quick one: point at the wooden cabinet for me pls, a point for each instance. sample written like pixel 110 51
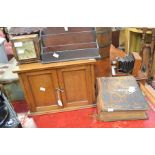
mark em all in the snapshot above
pixel 72 83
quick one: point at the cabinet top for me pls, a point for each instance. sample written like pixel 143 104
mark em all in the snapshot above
pixel 39 66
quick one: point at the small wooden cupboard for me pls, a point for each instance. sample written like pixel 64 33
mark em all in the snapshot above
pixel 58 86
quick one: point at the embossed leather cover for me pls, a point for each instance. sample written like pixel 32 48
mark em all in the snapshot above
pixel 120 98
pixel 122 94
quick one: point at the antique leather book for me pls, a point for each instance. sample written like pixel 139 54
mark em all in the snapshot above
pixel 120 98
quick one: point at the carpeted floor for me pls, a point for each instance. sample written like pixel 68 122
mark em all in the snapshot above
pixel 85 118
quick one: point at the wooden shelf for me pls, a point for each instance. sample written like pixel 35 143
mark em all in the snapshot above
pixel 133 38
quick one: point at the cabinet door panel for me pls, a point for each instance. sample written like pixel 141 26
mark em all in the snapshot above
pixel 75 89
pixel 76 83
pixel 42 88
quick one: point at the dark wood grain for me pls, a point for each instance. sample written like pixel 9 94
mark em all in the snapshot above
pixel 104 40
pixel 68 38
pixel 57 30
pixel 67 47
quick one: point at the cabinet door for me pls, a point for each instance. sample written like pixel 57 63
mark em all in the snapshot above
pixel 41 90
pixel 76 83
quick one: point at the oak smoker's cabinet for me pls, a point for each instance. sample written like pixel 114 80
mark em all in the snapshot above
pixel 58 86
